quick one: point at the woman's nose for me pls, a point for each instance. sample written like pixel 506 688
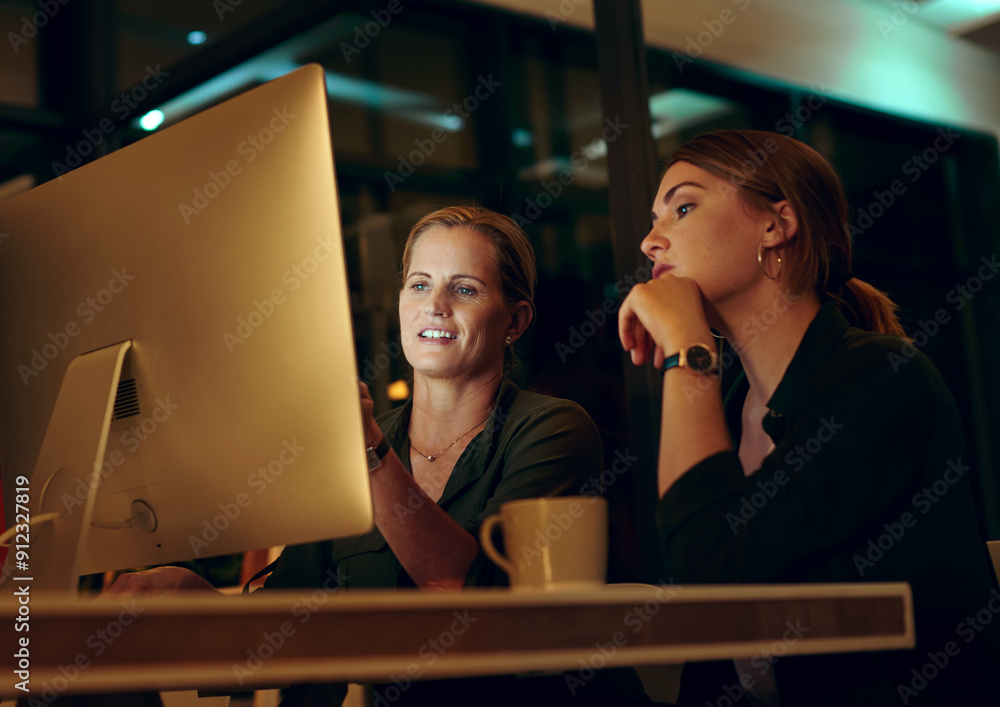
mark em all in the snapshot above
pixel 653 243
pixel 437 304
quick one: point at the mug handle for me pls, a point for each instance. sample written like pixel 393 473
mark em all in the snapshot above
pixel 486 540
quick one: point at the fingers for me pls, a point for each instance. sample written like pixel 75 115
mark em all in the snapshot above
pixel 658 357
pixel 629 327
pixel 643 344
pixel 373 433
pixel 633 334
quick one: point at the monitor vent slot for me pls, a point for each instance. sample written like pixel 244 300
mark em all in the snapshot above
pixel 127 400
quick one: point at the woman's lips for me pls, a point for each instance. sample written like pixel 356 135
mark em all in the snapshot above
pixel 661 268
pixel 436 335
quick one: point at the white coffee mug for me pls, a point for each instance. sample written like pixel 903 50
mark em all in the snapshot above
pixel 556 542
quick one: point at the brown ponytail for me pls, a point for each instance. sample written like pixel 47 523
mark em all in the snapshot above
pixel 867 307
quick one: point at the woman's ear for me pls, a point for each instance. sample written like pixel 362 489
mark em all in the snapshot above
pixel 783 225
pixel 520 318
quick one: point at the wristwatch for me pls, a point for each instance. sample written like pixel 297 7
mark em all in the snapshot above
pixel 377 454
pixel 697 357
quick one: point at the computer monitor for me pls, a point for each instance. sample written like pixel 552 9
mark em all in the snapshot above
pixel 176 327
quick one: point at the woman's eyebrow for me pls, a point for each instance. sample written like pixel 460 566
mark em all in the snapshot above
pixel 670 193
pixel 453 277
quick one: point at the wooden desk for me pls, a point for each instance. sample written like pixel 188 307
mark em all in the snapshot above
pixel 230 643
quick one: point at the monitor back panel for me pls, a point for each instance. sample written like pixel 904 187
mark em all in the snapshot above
pixel 215 246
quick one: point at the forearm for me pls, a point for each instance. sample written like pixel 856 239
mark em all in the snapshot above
pixel 693 424
pixel 433 549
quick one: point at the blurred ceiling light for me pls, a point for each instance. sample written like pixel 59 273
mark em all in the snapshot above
pixel 673 110
pixel 521 137
pixel 953 15
pixel 413 106
pixel 152 120
pixel 669 112
pixel 196 37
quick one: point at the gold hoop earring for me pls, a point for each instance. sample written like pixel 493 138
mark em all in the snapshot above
pixel 507 341
pixel 760 261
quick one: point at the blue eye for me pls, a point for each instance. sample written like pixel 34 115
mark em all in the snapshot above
pixel 684 209
pixel 465 290
pixel 418 286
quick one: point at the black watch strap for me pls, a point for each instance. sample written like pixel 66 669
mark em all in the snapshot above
pixel 671 362
pixel 699 358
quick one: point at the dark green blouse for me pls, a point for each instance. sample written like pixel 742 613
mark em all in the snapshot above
pixel 868 482
pixel 533 445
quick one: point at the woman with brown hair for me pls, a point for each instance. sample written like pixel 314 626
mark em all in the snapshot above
pixel 826 460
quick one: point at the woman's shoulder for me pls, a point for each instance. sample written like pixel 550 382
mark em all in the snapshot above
pixel 881 362
pixel 527 403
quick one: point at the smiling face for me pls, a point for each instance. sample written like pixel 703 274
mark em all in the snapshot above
pixel 451 308
pixel 704 230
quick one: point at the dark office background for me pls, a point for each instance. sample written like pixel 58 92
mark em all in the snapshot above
pixel 542 113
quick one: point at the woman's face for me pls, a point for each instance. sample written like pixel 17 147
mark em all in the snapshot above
pixel 451 308
pixel 703 229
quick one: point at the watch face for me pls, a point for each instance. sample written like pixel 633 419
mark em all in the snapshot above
pixel 699 359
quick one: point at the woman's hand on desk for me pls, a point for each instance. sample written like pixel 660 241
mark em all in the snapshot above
pixel 156 582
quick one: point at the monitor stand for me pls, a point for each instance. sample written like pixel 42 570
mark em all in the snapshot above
pixel 73 449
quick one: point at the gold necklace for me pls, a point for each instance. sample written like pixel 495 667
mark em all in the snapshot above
pixel 432 457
